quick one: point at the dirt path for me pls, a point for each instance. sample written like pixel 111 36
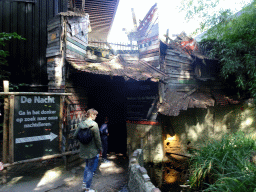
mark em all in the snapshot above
pixel 111 177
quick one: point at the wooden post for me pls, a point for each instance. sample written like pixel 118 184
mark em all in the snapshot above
pixel 5 130
pixel 167 35
pixel 71 5
pixel 11 119
pixel 61 122
pixel 83 5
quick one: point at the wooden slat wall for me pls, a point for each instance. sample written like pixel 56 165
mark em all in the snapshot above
pixel 76 43
pixel 178 67
pixel 29 19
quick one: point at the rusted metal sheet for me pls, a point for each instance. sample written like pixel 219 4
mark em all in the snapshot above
pixel 175 101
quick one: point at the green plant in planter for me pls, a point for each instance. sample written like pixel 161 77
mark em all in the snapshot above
pixel 224 165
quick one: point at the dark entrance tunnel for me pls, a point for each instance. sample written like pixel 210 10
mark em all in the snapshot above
pixel 107 95
pixel 119 100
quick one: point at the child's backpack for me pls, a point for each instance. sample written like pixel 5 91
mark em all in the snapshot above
pixel 85 135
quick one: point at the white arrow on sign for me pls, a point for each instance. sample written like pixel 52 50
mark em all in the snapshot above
pixel 52 136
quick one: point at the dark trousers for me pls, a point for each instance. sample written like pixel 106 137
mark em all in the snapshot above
pixel 104 141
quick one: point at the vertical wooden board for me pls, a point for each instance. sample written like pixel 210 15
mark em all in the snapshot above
pixel 6 16
pixel 14 21
pixel 43 39
pixel 63 5
pixel 50 9
pixel 37 42
pixel 21 57
pixel 1 16
pixel 6 21
pixel 56 7
pixel 29 45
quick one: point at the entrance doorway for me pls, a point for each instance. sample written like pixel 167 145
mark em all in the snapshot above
pixel 108 96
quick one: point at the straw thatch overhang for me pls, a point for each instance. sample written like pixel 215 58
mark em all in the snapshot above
pixel 117 66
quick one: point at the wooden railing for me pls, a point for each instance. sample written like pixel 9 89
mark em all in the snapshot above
pixel 112 46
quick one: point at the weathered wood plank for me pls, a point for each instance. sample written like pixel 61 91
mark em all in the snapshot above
pixel 177 59
pixel 182 81
pixel 156 58
pixel 178 77
pixel 130 57
pixel 181 87
pixel 71 53
pixel 77 43
pixel 177 64
pixel 150 51
pixel 152 47
pixel 179 68
pixel 54 35
pixel 149 55
pixel 174 52
pixel 54 23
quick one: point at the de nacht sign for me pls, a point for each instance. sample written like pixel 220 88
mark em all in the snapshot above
pixel 35 126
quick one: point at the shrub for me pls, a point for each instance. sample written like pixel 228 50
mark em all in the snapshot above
pixel 224 165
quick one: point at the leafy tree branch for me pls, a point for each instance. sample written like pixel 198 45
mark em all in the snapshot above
pixel 232 40
pixel 4 39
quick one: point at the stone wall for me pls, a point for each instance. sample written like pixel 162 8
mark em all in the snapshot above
pixel 146 136
pixel 139 181
pixel 194 127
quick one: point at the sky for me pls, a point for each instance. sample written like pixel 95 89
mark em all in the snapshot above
pixel 169 16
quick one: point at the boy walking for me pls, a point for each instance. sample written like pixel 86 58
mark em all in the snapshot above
pixel 90 151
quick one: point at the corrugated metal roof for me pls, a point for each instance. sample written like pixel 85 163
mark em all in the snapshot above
pixel 137 70
pixel 175 101
pixel 101 13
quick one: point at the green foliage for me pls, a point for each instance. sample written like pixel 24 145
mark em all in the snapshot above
pixel 230 38
pixel 224 165
pixel 232 41
pixel 4 39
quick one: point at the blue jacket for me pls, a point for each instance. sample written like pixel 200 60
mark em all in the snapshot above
pixel 104 130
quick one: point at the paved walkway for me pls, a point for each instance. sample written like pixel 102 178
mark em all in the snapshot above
pixel 51 176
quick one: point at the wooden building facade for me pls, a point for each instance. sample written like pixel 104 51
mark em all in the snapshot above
pixel 27 61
